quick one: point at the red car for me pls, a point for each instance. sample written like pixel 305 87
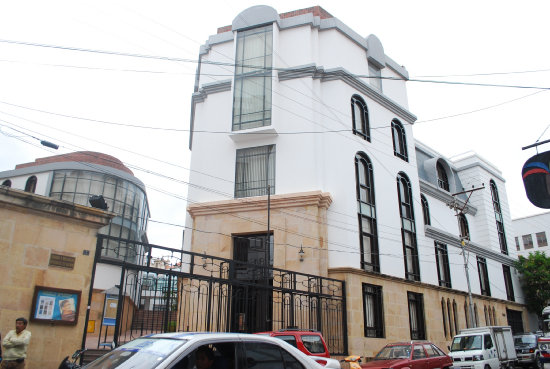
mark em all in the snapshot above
pixel 310 342
pixel 413 355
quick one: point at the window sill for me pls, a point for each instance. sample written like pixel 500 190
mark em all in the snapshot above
pixel 253 134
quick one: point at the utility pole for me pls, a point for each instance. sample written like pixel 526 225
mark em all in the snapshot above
pixel 459 210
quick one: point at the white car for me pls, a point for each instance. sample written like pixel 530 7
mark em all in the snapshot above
pixel 201 350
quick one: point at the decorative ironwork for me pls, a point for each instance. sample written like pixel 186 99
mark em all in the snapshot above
pixel 163 290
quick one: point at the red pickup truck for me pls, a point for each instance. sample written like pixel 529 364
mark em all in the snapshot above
pixel 310 342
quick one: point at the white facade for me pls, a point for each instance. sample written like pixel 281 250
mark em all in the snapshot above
pixel 318 66
pixel 530 234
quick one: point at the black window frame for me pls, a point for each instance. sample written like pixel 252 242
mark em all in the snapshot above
pixel 442 264
pixel 7 183
pixel 442 177
pixel 482 272
pixel 408 228
pixel 463 228
pixel 509 285
pixel 366 213
pixel 30 185
pixel 377 329
pixel 498 217
pixel 415 301
pixel 425 210
pixel 399 139
pixel 363 129
pixel 515 320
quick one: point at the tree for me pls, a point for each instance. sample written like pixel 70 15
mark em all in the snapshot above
pixel 535 280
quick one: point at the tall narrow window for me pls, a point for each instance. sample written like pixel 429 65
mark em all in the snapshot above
pixel 373 310
pixel 442 179
pixel 476 315
pixel 467 315
pixel 541 239
pixel 452 327
pixel 375 77
pixel 515 321
pixel 252 91
pixel 399 140
pixel 30 186
pixel 455 315
pixel 368 237
pixel 360 117
pixel 444 317
pixel 408 228
pixel 508 282
pixel 255 171
pixel 487 316
pixel 527 241
pixel 425 210
pixel 416 316
pixel 463 227
pixel 483 276
pixel 6 183
pixel 517 243
pixel 442 261
pixel 498 217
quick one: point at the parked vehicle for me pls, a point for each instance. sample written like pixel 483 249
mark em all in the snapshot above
pixel 527 350
pixel 544 350
pixel 484 348
pixel 188 350
pixel 310 342
pixel 413 355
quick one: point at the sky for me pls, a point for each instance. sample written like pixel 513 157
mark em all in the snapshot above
pixel 98 101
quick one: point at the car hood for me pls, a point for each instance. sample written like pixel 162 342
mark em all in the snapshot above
pixel 383 363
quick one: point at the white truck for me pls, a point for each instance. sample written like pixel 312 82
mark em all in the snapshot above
pixel 484 348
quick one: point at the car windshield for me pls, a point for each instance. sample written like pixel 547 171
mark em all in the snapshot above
pixel 145 353
pixel 464 343
pixel 525 340
pixel 394 352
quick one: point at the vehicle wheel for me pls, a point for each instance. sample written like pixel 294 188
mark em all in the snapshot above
pixel 511 365
pixel 537 364
pixel 487 367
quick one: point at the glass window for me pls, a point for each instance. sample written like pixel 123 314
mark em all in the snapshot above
pixel 425 210
pixel 442 261
pixel 541 239
pixel 498 217
pixel 442 179
pixel 313 344
pixel 30 186
pixel 483 276
pixel 373 311
pixel 288 339
pixel 408 229
pixel 515 320
pixel 418 352
pixel 508 282
pixel 517 243
pixel 463 227
pixel 263 355
pixel 252 92
pixel 416 316
pixel 368 237
pixel 6 183
pixel 360 117
pixel 290 361
pixel 255 171
pixel 375 75
pixel 527 241
pixel 444 317
pixel 399 140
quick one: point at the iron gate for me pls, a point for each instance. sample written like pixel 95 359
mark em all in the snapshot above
pixel 159 289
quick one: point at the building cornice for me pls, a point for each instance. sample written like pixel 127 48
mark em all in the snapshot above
pixel 259 203
pixel 455 241
pixel 444 196
pixel 210 88
pixel 379 276
pixel 12 198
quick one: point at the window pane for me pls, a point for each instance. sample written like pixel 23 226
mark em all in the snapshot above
pixel 263 356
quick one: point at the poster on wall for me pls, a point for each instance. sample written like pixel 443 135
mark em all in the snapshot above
pixel 55 305
pixel 110 309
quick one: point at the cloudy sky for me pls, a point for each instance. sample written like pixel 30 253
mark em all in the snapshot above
pixel 85 100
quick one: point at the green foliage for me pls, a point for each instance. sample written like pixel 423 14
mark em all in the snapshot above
pixel 535 279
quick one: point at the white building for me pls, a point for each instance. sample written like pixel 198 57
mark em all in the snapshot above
pixel 318 114
pixel 530 233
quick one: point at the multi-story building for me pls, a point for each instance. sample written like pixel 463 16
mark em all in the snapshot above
pixel 530 233
pixel 318 171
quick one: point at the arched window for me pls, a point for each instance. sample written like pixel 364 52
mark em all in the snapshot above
pixel 6 183
pixel 408 228
pixel 452 327
pixel 368 237
pixel 425 210
pixel 360 117
pixel 30 186
pixel 442 179
pixel 494 317
pixel 399 140
pixel 455 313
pixel 463 227
pixel 498 217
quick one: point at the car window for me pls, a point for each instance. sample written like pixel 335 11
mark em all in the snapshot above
pixel 260 355
pixel 418 352
pixel 143 353
pixel 430 350
pixel 290 361
pixel 438 350
pixel 313 344
pixel 213 356
pixel 488 341
pixel 288 339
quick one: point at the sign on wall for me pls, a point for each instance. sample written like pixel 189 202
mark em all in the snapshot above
pixel 55 305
